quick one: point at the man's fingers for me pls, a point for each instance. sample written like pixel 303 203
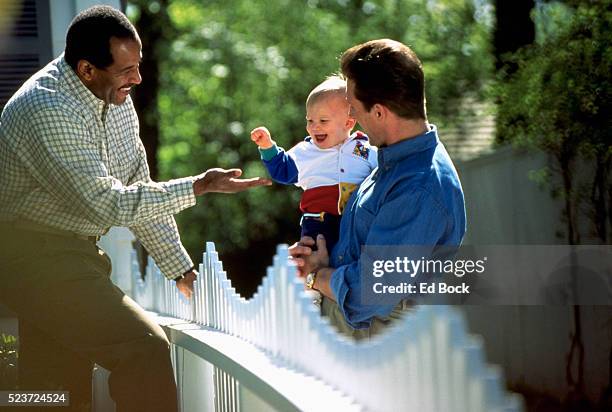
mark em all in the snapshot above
pixel 250 182
pixel 294 250
pixel 307 241
pixel 321 243
pixel 299 262
pixel 226 181
pixel 235 172
pixel 299 250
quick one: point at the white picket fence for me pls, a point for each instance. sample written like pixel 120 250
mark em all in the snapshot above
pixel 426 362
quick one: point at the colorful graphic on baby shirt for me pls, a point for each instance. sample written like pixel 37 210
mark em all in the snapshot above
pixel 361 150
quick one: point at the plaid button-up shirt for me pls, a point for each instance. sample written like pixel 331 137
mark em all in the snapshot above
pixel 72 162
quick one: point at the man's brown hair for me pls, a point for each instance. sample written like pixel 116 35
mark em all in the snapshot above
pixel 387 72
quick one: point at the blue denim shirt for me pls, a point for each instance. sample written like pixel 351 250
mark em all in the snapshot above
pixel 414 197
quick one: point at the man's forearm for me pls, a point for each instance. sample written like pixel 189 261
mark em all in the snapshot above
pixel 161 239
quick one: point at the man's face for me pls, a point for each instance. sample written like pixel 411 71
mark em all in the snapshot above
pixel 358 111
pixel 113 83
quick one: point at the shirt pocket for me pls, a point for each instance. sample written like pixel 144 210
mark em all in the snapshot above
pixel 363 217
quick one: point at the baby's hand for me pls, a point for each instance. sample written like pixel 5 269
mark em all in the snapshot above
pixel 261 137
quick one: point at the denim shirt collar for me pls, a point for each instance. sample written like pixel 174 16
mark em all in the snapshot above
pixel 390 155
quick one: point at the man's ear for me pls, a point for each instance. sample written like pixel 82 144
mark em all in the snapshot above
pixel 85 70
pixel 379 111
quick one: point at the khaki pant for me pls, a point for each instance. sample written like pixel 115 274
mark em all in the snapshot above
pixel 72 316
pixel 330 309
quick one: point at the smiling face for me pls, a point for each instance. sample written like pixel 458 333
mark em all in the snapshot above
pixel 328 121
pixel 113 83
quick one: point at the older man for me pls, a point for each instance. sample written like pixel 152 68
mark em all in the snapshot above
pixel 71 166
pixel 414 197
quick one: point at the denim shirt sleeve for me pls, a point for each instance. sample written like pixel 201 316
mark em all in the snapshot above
pixel 411 218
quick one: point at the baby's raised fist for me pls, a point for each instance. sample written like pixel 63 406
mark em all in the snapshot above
pixel 261 137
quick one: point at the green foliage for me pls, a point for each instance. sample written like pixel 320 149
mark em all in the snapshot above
pixel 559 100
pixel 237 64
pixel 456 55
pixel 560 96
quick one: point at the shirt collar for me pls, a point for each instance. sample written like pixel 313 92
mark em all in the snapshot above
pixel 390 155
pixel 357 136
pixel 75 87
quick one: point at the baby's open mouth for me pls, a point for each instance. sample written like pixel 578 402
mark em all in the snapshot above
pixel 320 137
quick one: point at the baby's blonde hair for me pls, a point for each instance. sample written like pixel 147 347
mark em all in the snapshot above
pixel 333 85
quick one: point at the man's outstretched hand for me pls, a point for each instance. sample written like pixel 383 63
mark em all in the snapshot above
pixel 225 181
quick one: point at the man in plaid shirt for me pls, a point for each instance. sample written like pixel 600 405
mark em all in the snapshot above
pixel 71 166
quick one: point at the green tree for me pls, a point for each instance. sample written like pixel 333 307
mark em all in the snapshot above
pixel 558 102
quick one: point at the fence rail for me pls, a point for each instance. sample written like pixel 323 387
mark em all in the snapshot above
pixel 426 362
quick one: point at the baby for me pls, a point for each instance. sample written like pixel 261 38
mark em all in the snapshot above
pixel 328 164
